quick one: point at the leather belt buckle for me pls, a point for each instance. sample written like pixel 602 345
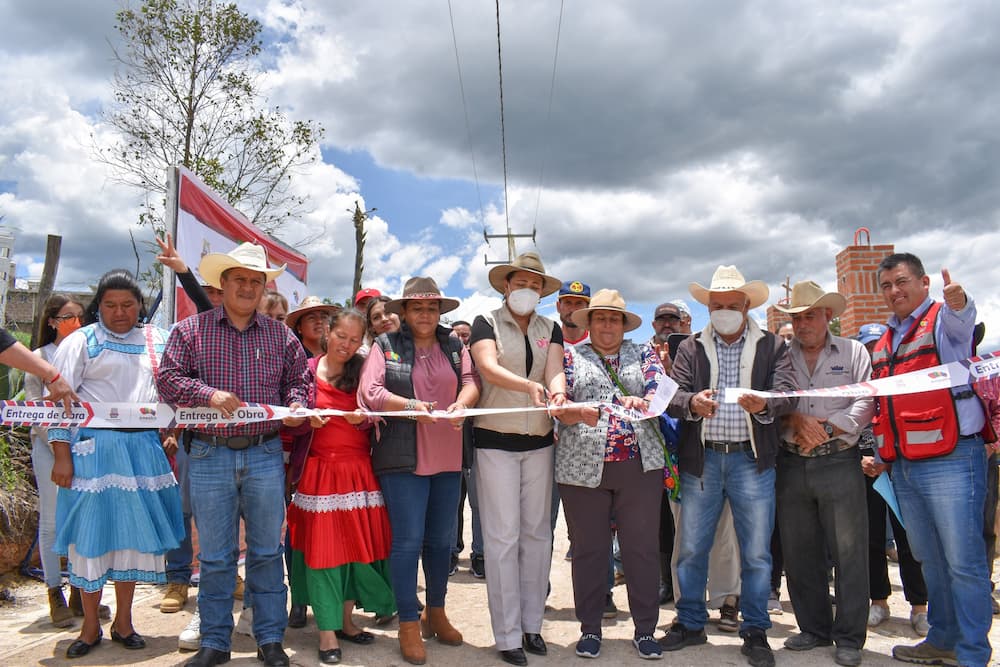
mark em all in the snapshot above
pixel 239 442
pixel 726 447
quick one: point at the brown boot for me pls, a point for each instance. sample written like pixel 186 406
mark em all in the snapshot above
pixel 434 622
pixel 60 615
pixel 76 604
pixel 410 643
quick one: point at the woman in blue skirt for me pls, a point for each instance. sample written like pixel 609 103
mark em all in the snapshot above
pixel 119 509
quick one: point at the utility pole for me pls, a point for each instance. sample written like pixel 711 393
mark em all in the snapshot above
pixel 52 251
pixel 511 249
pixel 359 245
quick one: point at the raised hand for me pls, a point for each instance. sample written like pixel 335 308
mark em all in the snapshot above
pixel 954 295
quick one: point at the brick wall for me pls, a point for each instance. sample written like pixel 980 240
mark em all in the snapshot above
pixel 856 280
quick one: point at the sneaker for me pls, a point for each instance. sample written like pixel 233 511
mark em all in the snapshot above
pixel 190 637
pixel 918 620
pixel 453 568
pixel 774 604
pixel 174 598
pixel 679 636
pixel 238 591
pixel 648 648
pixel 848 656
pixel 729 614
pixel 245 625
pixel 805 641
pixel 477 566
pixel 924 653
pixel 877 614
pixel 589 646
pixel 756 648
pixel 610 610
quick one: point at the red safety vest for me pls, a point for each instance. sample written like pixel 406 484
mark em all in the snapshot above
pixel 923 425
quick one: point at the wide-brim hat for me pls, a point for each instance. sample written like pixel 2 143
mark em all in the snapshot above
pixel 729 279
pixel 310 304
pixel 421 288
pixel 606 299
pixel 244 256
pixel 530 262
pixel 806 294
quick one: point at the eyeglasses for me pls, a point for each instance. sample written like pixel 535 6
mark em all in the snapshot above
pixel 67 318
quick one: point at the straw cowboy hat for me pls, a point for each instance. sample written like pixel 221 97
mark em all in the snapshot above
pixel 606 299
pixel 421 288
pixel 310 304
pixel 729 279
pixel 244 256
pixel 806 294
pixel 530 262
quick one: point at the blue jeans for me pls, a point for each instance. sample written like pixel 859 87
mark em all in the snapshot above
pixel 751 498
pixel 179 559
pixel 941 500
pixel 225 485
pixel 422 516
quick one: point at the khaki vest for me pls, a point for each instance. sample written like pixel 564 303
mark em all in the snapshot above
pixel 510 355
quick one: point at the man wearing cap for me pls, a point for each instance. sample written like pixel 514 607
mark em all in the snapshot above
pixel 934 440
pixel 573 296
pixel 879 586
pixel 220 359
pixel 820 487
pixel 727 451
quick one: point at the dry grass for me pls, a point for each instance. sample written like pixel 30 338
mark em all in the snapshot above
pixel 18 495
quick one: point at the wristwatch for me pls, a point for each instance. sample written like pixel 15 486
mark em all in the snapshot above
pixel 828 428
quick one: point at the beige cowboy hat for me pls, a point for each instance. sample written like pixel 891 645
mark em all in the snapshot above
pixel 310 304
pixel 806 294
pixel 729 279
pixel 606 299
pixel 244 256
pixel 530 262
pixel 421 288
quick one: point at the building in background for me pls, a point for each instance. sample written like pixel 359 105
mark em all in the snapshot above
pixel 6 270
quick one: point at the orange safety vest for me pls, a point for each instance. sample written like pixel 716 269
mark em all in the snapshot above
pixel 923 425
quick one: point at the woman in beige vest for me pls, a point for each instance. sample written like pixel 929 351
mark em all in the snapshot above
pixel 519 356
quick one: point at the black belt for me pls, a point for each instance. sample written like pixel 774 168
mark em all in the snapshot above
pixel 235 441
pixel 828 447
pixel 727 447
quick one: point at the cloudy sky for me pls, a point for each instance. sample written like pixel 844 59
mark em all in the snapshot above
pixel 681 136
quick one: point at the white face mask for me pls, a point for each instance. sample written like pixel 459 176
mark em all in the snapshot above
pixel 522 301
pixel 726 322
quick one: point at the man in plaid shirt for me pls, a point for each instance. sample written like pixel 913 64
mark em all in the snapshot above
pixel 220 359
pixel 728 451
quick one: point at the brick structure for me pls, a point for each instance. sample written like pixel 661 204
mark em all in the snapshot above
pixel 856 280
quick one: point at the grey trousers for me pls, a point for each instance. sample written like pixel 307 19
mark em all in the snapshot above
pixel 515 499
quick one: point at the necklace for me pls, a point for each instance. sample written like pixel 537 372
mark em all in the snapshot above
pixel 428 352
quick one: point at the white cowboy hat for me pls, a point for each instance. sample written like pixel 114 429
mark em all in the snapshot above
pixel 246 256
pixel 606 299
pixel 421 288
pixel 729 279
pixel 807 294
pixel 530 262
pixel 310 304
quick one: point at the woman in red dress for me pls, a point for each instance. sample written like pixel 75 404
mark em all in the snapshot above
pixel 339 527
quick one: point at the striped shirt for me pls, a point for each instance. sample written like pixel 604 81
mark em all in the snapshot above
pixel 264 363
pixel 729 423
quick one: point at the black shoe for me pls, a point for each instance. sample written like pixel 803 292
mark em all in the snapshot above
pixel 330 656
pixel 420 605
pixel 272 655
pixel 805 641
pixel 359 638
pixel 756 648
pixel 297 616
pixel 453 567
pixel 133 642
pixel 678 636
pixel 477 566
pixel 666 593
pixel 514 656
pixel 533 643
pixel 80 648
pixel 207 657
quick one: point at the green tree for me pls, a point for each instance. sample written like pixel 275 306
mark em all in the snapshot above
pixel 187 92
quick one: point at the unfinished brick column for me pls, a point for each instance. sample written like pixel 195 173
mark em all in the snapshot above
pixel 856 280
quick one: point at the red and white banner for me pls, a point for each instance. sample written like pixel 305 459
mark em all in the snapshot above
pixel 206 223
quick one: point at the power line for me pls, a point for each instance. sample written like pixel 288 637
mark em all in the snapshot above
pixel 465 109
pixel 503 137
pixel 548 115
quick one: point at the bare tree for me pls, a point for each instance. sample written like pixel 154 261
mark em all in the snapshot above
pixel 186 92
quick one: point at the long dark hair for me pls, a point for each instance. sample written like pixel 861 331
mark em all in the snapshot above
pixel 115 279
pixel 52 307
pixel 348 380
pixel 368 314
